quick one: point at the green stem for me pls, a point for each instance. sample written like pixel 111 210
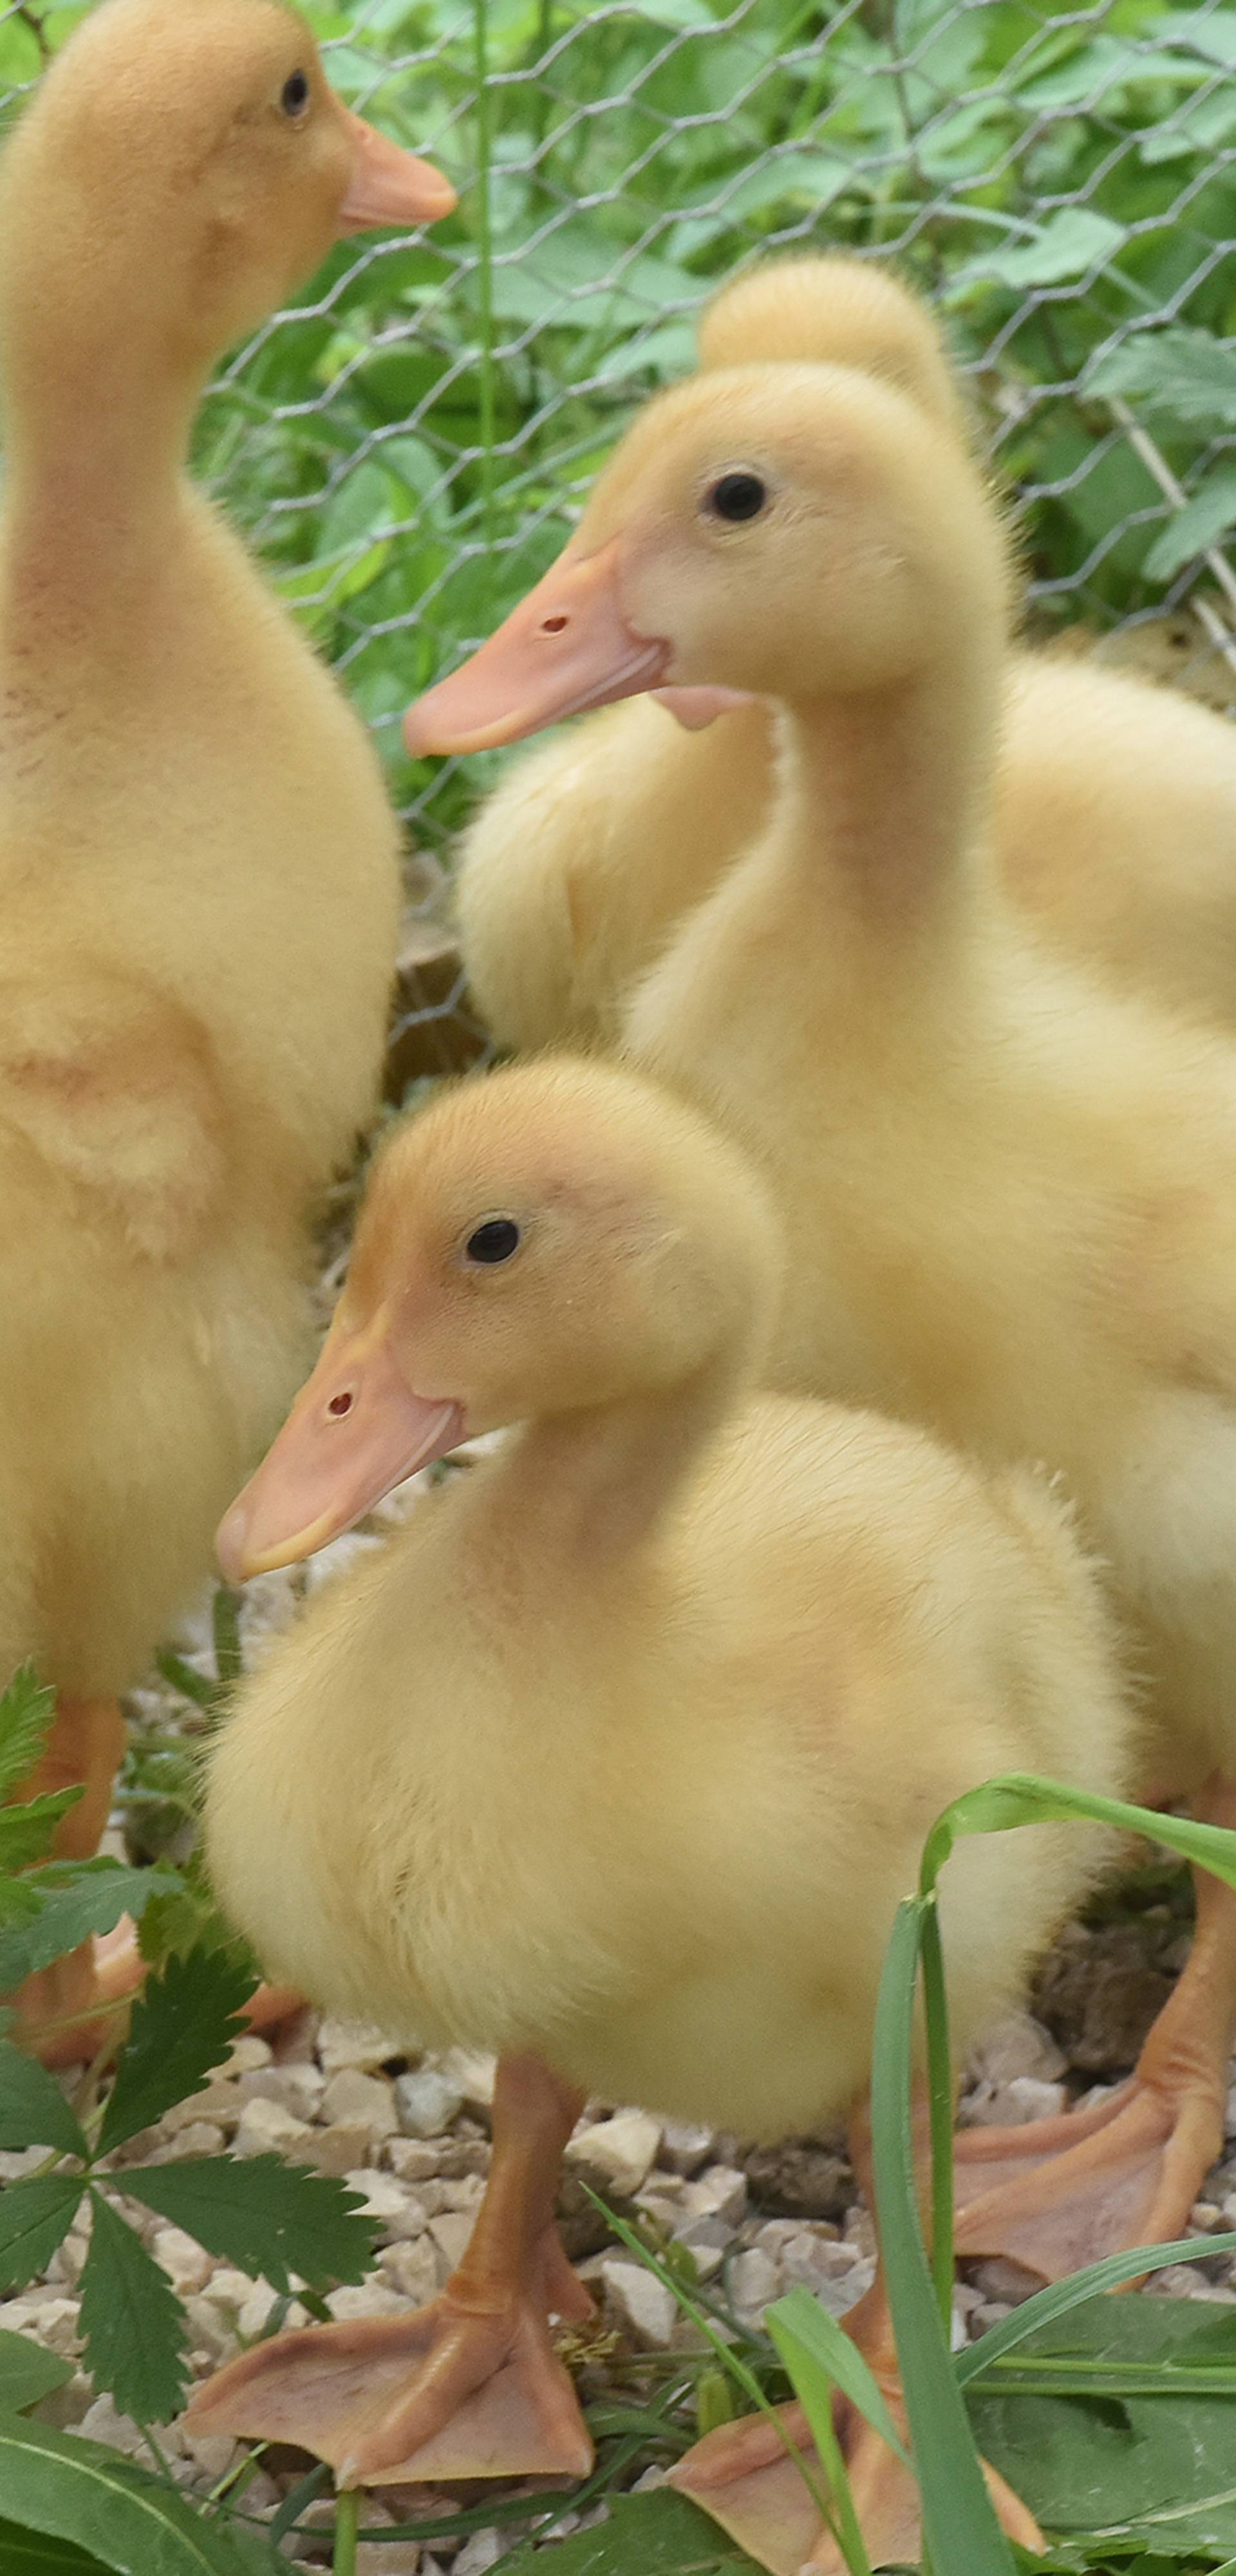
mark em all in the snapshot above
pixel 484 258
pixel 940 2104
pixel 347 2523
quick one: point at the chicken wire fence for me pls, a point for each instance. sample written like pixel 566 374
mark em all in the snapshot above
pixel 408 444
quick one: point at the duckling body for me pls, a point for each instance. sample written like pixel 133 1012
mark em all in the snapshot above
pixel 647 1715
pixel 198 860
pixel 1114 816
pixel 1008 1190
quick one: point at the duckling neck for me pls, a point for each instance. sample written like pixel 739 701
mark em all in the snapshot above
pixel 98 412
pixel 588 1487
pixel 884 794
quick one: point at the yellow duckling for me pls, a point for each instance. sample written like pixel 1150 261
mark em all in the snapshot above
pixel 1115 802
pixel 618 1757
pixel 198 860
pixel 1009 1192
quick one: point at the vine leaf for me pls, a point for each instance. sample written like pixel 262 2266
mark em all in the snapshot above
pixel 35 2215
pixel 33 2110
pixel 183 2025
pixel 269 2219
pixel 134 2327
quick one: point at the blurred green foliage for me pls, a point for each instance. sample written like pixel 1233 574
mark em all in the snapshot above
pixel 409 445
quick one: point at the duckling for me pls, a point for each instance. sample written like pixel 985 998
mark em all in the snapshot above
pixel 645 1716
pixel 1115 811
pixel 198 858
pixel 1009 1190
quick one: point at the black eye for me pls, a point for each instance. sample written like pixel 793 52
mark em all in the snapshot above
pixel 737 496
pixel 294 96
pixel 496 1240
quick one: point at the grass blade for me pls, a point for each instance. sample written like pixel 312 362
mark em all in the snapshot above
pixel 1023 1798
pixel 807 2338
pixel 960 2529
pixel 1055 2301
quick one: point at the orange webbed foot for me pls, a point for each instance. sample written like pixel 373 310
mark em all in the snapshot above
pixel 1062 2193
pixel 451 2392
pixel 745 2480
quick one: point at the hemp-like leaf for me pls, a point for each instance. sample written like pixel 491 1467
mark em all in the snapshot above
pixel 266 2217
pixel 183 2024
pixel 35 2214
pixel 33 2110
pixel 74 1899
pixel 134 2326
pixel 27 1709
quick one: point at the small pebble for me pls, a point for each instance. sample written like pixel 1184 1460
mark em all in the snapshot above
pixel 265 2128
pixel 351 2095
pixel 684 2146
pixel 616 2155
pixel 426 2103
pixel 639 2301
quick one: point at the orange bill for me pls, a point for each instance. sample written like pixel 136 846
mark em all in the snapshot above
pixel 356 1429
pixel 389 185
pixel 567 646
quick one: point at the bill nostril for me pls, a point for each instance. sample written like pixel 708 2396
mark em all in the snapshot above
pixel 553 625
pixel 340 1404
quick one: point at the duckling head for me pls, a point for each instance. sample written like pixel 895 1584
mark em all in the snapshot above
pixel 199 154
pixel 833 309
pixel 551 1238
pixel 788 532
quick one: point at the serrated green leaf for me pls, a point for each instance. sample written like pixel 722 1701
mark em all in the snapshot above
pixel 183 2025
pixel 76 2490
pixel 33 2110
pixel 35 2215
pixel 34 2553
pixel 662 2534
pixel 1207 516
pixel 27 2373
pixel 26 1830
pixel 134 2326
pixel 1186 376
pixel 264 2216
pixel 27 1709
pixel 74 1900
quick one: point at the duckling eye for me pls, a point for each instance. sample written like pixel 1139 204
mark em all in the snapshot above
pixel 496 1240
pixel 294 96
pixel 736 497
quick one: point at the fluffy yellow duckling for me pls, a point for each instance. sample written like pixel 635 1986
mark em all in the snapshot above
pixel 1115 802
pixel 618 1757
pixel 198 861
pixel 1009 1192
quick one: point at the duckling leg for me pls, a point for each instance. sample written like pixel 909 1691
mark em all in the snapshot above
pixel 65 2012
pixel 1063 2192
pixel 471 2387
pixel 744 2478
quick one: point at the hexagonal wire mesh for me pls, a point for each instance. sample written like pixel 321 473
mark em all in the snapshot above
pixel 407 445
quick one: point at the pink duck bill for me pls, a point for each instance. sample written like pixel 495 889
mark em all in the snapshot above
pixel 569 645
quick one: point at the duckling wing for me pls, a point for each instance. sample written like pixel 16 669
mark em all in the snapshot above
pixel 108 1088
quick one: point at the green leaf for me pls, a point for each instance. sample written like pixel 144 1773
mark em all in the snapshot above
pixel 27 2373
pixel 1047 2306
pixel 1018 1798
pixel 35 2215
pixel 268 2218
pixel 1207 515
pixel 1185 375
pixel 183 2024
pixel 26 1830
pixel 1146 2472
pixel 134 2326
pixel 74 1900
pixel 959 2523
pixel 1072 241
pixel 137 2526
pixel 33 2110
pixel 662 2534
pixel 804 2332
pixel 27 1709
pixel 32 2553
